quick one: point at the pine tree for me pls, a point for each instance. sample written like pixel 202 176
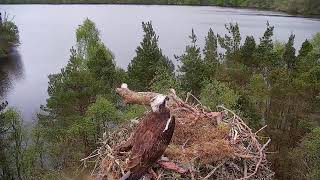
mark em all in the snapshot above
pixel 70 92
pixel 192 67
pixel 231 42
pixel 148 60
pixel 265 50
pixel 69 130
pixel 306 48
pixel 73 89
pixel 306 58
pixel 87 38
pixel 96 56
pixel 101 64
pixel 248 52
pixel 210 52
pixel 289 54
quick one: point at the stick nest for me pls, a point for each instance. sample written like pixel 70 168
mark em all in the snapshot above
pixel 210 145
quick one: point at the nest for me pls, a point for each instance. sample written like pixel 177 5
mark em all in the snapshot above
pixel 205 145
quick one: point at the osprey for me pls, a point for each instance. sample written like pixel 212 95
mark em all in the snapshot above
pixel 150 139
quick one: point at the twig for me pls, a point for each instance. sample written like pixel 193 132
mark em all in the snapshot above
pixel 187 98
pixel 260 129
pixel 89 157
pixel 213 171
pixel 245 169
pixel 196 99
pixel 259 162
pixel 185 143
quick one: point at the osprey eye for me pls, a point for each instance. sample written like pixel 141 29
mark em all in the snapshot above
pixel 167 98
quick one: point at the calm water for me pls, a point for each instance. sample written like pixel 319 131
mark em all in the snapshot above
pixel 47 32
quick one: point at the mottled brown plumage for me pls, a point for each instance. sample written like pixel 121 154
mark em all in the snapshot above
pixel 149 141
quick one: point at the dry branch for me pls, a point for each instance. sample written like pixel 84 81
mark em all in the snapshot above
pixel 131 97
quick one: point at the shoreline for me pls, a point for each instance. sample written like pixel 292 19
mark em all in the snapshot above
pixel 285 13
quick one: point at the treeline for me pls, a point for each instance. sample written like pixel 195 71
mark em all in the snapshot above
pixel 267 82
pixel 302 7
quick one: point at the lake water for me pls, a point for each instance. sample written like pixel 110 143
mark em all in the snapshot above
pixel 47 32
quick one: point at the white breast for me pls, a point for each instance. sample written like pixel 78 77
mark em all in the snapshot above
pixel 167 125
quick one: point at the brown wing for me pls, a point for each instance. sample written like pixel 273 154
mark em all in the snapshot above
pixel 161 141
pixel 140 148
pixel 144 138
pixel 127 145
pixel 151 142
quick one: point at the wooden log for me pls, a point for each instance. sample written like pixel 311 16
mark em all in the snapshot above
pixel 132 97
pixel 144 98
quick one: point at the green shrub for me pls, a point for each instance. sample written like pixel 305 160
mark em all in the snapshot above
pixel 218 93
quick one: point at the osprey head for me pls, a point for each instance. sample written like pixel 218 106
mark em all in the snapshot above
pixel 159 102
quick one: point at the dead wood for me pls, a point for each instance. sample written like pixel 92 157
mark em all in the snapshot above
pixel 131 97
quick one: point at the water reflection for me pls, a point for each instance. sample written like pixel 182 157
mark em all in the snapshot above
pixel 11 70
